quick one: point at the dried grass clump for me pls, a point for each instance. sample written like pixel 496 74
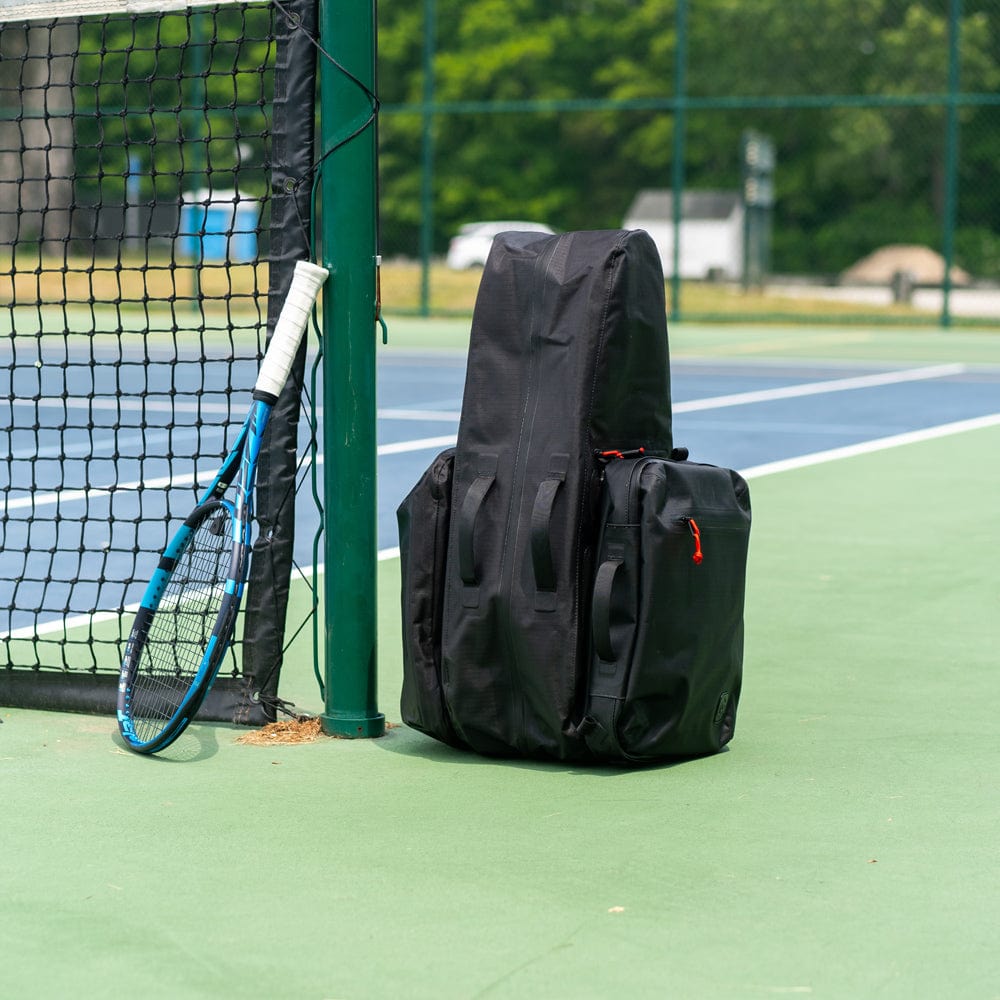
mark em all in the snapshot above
pixel 287 731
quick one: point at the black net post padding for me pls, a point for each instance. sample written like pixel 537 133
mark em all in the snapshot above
pixel 291 184
pixel 97 694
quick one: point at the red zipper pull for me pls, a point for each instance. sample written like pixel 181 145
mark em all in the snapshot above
pixel 607 456
pixel 698 556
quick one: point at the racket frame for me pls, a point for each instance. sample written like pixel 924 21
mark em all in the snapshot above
pixel 241 465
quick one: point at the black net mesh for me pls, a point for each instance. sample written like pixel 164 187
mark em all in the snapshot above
pixel 135 160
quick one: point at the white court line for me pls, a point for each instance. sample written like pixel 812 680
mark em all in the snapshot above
pixel 65 624
pixel 848 451
pixel 397 414
pixel 754 472
pixel 80 621
pixel 420 444
pixel 816 388
pixel 867 447
pixel 68 496
pixel 137 405
pixel 189 478
pixel 745 398
pixel 688 406
pixel 131 403
pixel 91 449
pixel 446 441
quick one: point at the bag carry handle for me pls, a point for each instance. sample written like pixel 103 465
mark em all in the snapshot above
pixel 467 518
pixel 541 524
pixel 604 584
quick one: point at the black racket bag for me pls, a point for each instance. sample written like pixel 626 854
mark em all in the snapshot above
pixel 666 661
pixel 424 518
pixel 568 363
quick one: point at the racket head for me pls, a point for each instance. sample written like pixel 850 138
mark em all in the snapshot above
pixel 182 628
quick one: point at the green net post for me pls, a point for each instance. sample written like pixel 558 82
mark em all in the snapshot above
pixel 951 156
pixel 679 153
pixel 347 205
pixel 427 158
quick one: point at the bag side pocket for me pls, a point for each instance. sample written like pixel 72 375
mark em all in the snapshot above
pixel 613 612
pixel 424 518
pixel 687 668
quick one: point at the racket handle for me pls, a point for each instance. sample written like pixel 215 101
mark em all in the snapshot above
pixel 306 283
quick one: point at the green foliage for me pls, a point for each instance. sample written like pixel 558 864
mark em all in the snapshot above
pixel 977 249
pixel 850 177
pixel 860 146
pixel 185 96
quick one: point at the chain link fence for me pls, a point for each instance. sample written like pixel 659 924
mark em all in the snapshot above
pixel 833 158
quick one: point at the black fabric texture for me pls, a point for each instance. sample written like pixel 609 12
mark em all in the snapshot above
pixel 229 699
pixel 667 662
pixel 291 183
pixel 424 518
pixel 568 357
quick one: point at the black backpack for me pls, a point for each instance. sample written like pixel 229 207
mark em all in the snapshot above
pixel 568 370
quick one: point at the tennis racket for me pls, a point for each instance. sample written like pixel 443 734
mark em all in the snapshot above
pixel 187 615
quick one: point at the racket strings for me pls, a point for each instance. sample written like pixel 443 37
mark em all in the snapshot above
pixel 180 632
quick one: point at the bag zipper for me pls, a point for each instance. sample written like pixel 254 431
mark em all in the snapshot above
pixel 521 456
pixel 614 454
pixel 696 530
pixel 605 458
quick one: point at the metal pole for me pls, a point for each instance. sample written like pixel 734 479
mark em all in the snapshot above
pixel 951 158
pixel 427 159
pixel 347 206
pixel 680 124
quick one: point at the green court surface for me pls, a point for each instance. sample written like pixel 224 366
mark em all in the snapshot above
pixel 730 340
pixel 844 847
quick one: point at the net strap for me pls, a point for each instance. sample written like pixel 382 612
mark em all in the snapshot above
pixel 271 567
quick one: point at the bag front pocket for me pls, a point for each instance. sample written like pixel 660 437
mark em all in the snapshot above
pixel 667 611
pixel 424 517
pixel 687 669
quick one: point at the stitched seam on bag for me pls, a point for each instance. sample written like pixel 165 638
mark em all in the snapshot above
pixel 588 468
pixel 510 539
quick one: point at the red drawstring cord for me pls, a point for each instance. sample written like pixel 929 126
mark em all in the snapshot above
pixel 698 556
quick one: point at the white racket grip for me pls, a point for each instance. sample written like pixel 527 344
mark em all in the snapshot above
pixel 306 283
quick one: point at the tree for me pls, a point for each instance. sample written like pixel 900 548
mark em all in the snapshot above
pixel 36 134
pixel 860 153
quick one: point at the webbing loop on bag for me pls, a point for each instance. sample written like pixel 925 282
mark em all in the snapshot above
pixel 541 533
pixel 471 505
pixel 604 584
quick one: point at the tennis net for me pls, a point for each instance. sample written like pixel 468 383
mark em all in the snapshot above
pixel 141 146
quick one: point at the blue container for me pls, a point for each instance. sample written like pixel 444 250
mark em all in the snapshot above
pixel 243 241
pixel 216 226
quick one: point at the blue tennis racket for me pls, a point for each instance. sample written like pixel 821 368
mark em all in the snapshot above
pixel 187 615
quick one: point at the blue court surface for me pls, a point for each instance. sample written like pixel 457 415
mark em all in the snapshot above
pixel 125 480
pixel 743 415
